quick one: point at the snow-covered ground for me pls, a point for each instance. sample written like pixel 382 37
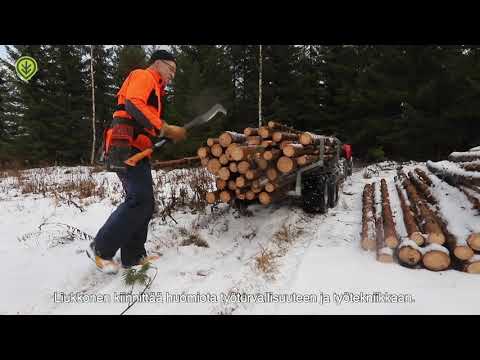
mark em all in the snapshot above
pixel 278 260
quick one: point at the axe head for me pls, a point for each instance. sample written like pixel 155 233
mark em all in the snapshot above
pixel 206 117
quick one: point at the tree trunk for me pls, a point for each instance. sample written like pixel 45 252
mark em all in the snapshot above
pixel 295 150
pixel 212 141
pixel 203 152
pixel 250 131
pixel 280 127
pixel 279 136
pixel 464 156
pixel 273 154
pixel 422 188
pixel 423 176
pixel 436 257
pixel 92 157
pixel 409 254
pixel 216 150
pixel 368 241
pixel 286 164
pixel 424 214
pixel 391 238
pixel 229 137
pixel 474 241
pixel 384 253
pixel 413 231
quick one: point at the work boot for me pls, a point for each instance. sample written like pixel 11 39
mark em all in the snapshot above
pixel 108 266
pixel 144 260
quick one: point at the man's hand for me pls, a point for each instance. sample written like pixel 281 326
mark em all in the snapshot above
pixel 175 133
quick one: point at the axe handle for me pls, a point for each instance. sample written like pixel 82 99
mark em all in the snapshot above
pixel 132 161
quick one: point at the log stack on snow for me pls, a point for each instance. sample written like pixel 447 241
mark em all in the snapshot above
pixel 260 164
pixel 429 243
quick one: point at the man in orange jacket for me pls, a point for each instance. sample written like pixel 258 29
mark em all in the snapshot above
pixel 139 116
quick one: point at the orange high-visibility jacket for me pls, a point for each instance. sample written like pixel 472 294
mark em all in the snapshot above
pixel 139 100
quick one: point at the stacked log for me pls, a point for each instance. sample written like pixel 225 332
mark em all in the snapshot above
pixel 261 163
pixel 188 162
pixel 368 240
pixel 439 254
pixel 390 235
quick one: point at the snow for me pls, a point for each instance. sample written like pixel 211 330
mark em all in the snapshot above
pixel 313 264
pixel 411 243
pixel 453 168
pixel 434 247
pixel 471 152
pixel 475 149
pixel 455 209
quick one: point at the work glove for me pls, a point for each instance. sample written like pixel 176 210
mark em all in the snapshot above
pixel 175 133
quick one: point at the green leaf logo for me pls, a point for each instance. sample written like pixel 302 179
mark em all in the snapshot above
pixel 26 67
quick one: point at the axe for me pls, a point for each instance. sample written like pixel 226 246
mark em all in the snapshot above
pixel 199 120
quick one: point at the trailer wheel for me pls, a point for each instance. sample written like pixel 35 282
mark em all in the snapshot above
pixel 332 192
pixel 315 194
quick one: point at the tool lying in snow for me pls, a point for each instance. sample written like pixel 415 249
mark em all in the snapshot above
pixel 201 119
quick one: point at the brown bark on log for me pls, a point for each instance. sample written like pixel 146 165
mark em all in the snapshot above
pixel 280 127
pixel 307 159
pixel 425 215
pixel 254 140
pixel 413 231
pixel 454 178
pixel 280 136
pixel 216 150
pixel 464 156
pixel 295 150
pixel 384 255
pixel 472 199
pixel 245 152
pixel 422 188
pixel 308 138
pixel 229 137
pixel 250 131
pixel 265 132
pixel 268 143
pixel 212 141
pixel 391 238
pixel 368 240
pixel 203 152
pixel 423 176
pixel 471 167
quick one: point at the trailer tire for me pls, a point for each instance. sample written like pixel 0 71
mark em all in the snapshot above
pixel 315 194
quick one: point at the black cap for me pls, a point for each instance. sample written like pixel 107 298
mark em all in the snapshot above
pixel 162 55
